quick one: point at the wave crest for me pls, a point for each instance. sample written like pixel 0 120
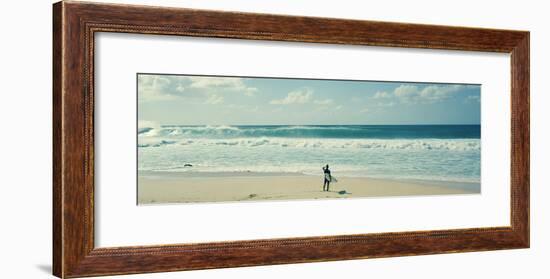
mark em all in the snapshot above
pixel 297 131
pixel 382 144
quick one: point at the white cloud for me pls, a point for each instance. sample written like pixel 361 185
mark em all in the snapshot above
pixel 382 95
pixel 164 87
pixel 415 94
pixel 180 88
pixel 324 102
pixel 405 91
pixel 225 83
pixel 427 95
pixel 154 87
pixel 214 100
pixel 299 96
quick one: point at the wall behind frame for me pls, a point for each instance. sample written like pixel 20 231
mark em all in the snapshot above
pixel 25 140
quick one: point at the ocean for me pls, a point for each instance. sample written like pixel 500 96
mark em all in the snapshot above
pixel 425 152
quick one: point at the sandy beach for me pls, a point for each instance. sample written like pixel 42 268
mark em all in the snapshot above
pixel 172 187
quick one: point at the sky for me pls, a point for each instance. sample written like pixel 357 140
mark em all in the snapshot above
pixel 211 100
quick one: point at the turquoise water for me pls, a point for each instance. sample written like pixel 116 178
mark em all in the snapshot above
pixel 428 152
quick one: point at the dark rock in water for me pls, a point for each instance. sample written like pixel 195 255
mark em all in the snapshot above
pixel 343 192
pixel 251 196
pixel 187 165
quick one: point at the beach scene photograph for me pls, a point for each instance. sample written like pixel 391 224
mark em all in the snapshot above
pixel 238 139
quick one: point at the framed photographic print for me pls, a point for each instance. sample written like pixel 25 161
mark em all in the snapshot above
pixel 253 139
pixel 189 139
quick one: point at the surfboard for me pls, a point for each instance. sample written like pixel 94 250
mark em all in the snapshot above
pixel 330 178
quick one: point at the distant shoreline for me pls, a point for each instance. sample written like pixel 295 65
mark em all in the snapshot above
pixel 167 174
pixel 180 174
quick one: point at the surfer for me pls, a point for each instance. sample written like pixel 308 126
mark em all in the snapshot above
pixel 328 178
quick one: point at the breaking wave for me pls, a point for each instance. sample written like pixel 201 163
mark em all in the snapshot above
pixel 391 144
pixel 328 131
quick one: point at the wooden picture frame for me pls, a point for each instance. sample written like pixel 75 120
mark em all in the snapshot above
pixel 74 26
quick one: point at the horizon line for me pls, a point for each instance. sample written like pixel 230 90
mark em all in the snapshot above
pixel 479 124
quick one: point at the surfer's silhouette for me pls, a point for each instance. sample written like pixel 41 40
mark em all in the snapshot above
pixel 328 178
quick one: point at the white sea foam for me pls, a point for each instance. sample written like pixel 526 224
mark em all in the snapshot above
pixel 304 149
pixel 411 144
